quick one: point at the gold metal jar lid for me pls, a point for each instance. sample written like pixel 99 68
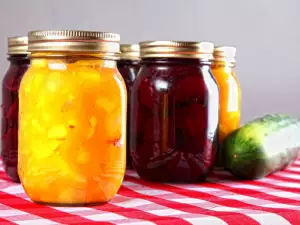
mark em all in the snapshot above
pixel 177 49
pixel 103 43
pixel 225 54
pixel 130 51
pixel 18 45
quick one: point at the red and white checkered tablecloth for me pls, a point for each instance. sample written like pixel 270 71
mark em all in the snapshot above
pixel 274 200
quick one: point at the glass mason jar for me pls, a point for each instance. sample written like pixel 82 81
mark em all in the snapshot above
pixel 174 112
pixel 229 88
pixel 19 62
pixel 72 135
pixel 128 66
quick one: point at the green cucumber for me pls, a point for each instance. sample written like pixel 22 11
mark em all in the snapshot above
pixel 262 146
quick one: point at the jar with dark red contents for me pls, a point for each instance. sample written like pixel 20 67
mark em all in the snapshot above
pixel 19 62
pixel 174 112
pixel 128 66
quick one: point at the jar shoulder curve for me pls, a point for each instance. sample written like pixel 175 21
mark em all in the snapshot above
pixel 233 75
pixel 121 82
pixel 128 72
pixel 172 72
pixel 154 79
pixel 224 74
pixel 80 71
pixel 210 79
pixel 212 87
pixel 80 81
pixel 85 82
pixel 169 71
pixel 227 80
pixel 13 77
pixel 15 71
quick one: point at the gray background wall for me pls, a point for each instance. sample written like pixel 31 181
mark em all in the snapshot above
pixel 265 32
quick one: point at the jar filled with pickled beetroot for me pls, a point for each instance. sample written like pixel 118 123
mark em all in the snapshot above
pixel 19 62
pixel 174 112
pixel 128 66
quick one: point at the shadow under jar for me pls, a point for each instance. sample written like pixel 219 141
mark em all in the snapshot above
pixel 19 62
pixel 128 66
pixel 174 112
pixel 72 118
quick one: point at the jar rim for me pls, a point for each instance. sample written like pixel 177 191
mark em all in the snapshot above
pixel 177 49
pixel 225 54
pixel 104 43
pixel 130 51
pixel 17 45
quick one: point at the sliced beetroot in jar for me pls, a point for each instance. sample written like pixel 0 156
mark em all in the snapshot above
pixel 146 93
pixel 152 130
pixel 159 154
pixel 195 145
pixel 173 135
pixel 180 138
pixel 3 108
pixel 13 110
pixel 198 167
pixel 12 83
pixel 190 87
pixel 4 127
pixel 175 160
pixel 142 117
pixel 142 153
pixel 191 127
pixel 195 120
pixel 10 146
pixel 160 131
pixel 182 172
pixel 7 136
pixel 205 159
pixel 138 119
pixel 148 131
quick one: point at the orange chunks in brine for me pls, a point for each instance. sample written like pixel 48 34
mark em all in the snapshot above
pixel 72 132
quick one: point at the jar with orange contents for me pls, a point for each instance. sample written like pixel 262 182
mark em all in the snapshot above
pixel 72 144
pixel 229 89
